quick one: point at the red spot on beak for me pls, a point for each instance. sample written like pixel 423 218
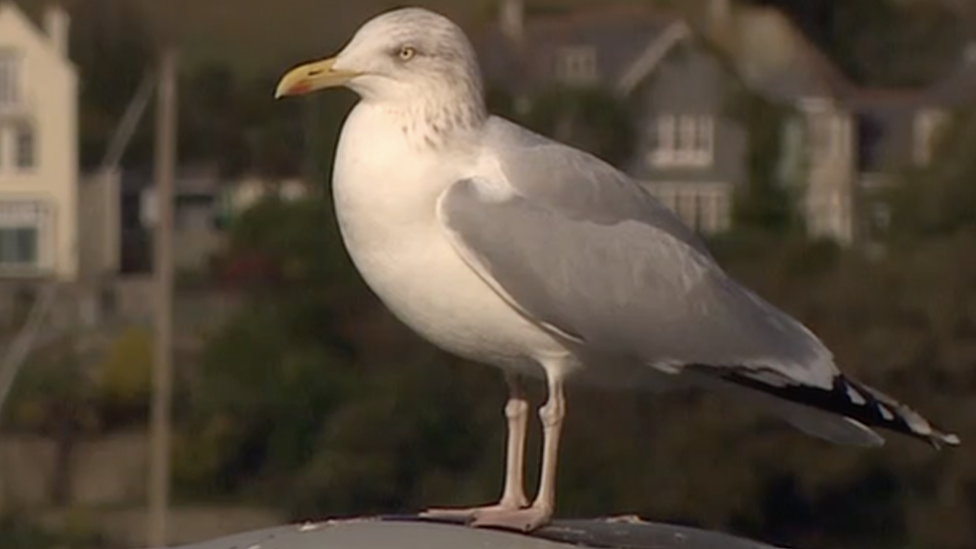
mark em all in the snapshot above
pixel 300 87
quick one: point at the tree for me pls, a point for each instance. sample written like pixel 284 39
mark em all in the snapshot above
pixel 114 47
pixel 266 376
pixel 938 199
pixel 882 42
pixel 591 119
pixel 55 397
pixel 767 202
pixel 124 379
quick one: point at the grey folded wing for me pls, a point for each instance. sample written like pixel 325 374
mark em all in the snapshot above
pixel 585 251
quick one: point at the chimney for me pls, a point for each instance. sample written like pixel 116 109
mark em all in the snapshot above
pixel 969 52
pixel 512 20
pixel 56 22
pixel 719 15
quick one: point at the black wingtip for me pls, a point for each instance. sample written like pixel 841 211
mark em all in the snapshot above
pixel 938 439
pixel 906 420
pixel 856 401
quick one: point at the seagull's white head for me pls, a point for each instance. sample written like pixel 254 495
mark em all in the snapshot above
pixel 404 57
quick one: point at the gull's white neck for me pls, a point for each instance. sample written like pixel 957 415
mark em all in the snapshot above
pixel 387 182
pixel 438 116
pixel 394 160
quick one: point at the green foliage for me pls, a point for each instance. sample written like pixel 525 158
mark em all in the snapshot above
pixel 53 393
pixel 301 241
pixel 391 447
pixel 883 42
pixel 315 398
pixel 125 376
pixel 223 117
pixel 591 119
pixel 767 202
pixel 114 45
pixel 20 532
pixel 939 199
pixel 898 44
pixel 264 397
pixel 271 374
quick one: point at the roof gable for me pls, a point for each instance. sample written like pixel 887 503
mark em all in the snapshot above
pixel 11 14
pixel 629 40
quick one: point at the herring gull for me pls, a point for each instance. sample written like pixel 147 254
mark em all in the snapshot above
pixel 507 248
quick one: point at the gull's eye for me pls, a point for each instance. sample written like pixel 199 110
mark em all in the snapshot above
pixel 406 53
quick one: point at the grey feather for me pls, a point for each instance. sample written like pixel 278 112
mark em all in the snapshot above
pixel 582 248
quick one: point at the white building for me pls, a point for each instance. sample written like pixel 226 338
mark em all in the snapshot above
pixel 38 147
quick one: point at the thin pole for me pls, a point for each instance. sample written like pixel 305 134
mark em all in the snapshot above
pixel 18 351
pixel 160 420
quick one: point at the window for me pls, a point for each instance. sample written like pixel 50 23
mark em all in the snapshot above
pixel 576 65
pixel 687 140
pixel 21 226
pixel 25 154
pixel 18 246
pixel 702 206
pixel 927 125
pixel 9 77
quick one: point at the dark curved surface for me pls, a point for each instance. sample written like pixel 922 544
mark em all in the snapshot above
pixel 412 532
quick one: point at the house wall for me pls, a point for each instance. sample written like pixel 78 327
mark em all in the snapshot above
pixel 690 85
pixel 829 197
pixel 704 206
pixel 99 224
pixel 48 104
pixel 613 43
pixel 691 82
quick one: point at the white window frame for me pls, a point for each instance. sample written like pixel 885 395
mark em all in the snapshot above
pixel 576 64
pixel 705 207
pixel 683 141
pixel 664 130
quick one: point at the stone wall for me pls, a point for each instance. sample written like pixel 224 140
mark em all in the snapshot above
pixel 126 527
pixel 107 484
pixel 108 470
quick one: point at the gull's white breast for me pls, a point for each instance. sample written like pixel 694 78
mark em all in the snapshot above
pixel 386 193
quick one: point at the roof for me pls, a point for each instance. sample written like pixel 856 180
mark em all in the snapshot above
pixel 886 117
pixel 775 59
pixel 779 61
pixel 762 46
pixel 619 33
pixel 9 7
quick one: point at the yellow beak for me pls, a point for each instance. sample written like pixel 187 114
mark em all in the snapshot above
pixel 313 76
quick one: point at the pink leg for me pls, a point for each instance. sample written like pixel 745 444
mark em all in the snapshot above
pixel 513 495
pixel 531 518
